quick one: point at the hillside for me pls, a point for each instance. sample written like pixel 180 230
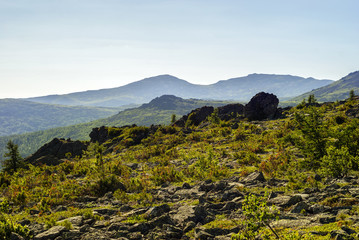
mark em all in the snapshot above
pixel 20 116
pixel 338 90
pixel 292 177
pixel 238 89
pixel 158 111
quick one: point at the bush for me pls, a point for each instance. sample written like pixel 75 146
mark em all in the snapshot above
pixel 7 227
pixel 338 162
pixel 107 184
pixel 256 215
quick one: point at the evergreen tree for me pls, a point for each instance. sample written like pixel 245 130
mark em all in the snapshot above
pixel 173 118
pixel 14 160
pixel 351 95
pixel 311 99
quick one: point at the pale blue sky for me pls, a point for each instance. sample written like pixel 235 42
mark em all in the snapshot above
pixel 62 46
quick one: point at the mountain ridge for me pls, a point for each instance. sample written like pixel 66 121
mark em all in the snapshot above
pixel 142 91
pixel 338 90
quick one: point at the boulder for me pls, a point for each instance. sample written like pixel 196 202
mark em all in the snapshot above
pixel 253 177
pixel 195 117
pixel 262 106
pixel 52 233
pixel 230 111
pixel 52 152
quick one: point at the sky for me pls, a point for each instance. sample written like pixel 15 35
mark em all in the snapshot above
pixel 63 46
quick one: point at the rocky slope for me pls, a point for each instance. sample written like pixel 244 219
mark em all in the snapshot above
pixel 195 182
pixel 187 211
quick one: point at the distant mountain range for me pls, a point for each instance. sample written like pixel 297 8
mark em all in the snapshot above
pixel 158 111
pixel 238 89
pixel 20 116
pixel 338 90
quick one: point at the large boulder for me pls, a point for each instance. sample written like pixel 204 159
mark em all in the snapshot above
pixel 230 111
pixel 52 152
pixel 261 106
pixel 195 117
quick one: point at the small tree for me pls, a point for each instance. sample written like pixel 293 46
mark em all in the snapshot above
pixel 173 118
pixel 351 95
pixel 311 99
pixel 14 160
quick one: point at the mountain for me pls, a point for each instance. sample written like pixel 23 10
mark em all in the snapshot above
pixel 283 86
pixel 158 111
pixel 20 116
pixel 239 89
pixel 338 90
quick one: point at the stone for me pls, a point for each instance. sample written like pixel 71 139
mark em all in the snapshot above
pixel 53 152
pixel 190 213
pixel 255 176
pixel 15 236
pixel 230 111
pixel 300 207
pixel 262 106
pixel 50 234
pixel 195 117
pixel 75 221
pixel 157 211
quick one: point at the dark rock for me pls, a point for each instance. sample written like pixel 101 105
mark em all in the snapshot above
pixel 348 230
pixel 195 117
pixel 157 211
pixel 189 226
pixel 231 194
pixel 186 185
pixel 172 232
pixel 230 111
pixel 52 233
pixel 300 207
pixel 52 152
pixel 140 227
pixel 220 186
pixel 325 219
pixel 15 236
pixel 160 221
pixel 101 134
pixel 125 208
pixel 261 106
pixel 206 187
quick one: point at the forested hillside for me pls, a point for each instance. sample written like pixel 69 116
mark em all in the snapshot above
pixel 158 111
pixel 20 116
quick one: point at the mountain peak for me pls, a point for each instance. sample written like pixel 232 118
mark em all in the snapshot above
pixel 164 102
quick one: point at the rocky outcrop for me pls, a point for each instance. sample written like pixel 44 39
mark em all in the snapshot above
pixel 230 111
pixel 53 152
pixel 262 106
pixel 195 117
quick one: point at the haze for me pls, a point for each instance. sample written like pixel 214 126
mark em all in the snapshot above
pixel 62 46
